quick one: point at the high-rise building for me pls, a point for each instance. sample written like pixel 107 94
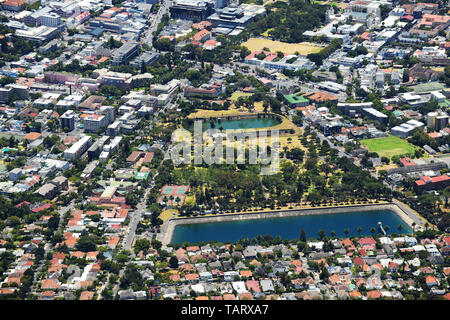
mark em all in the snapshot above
pixel 50 20
pixel 67 120
pixel 437 120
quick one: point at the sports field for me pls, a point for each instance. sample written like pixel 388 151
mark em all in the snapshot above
pixel 303 48
pixel 388 146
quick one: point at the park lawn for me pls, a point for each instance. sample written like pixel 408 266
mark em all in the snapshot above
pixel 386 167
pixel 235 96
pixel 388 146
pixel 293 143
pixel 266 33
pixel 304 48
pixel 167 214
pixel 202 113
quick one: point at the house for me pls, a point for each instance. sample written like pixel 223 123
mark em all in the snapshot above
pixel 230 275
pixel 206 276
pixel 267 286
pixel 49 284
pixel 87 295
pixel 431 281
pixel 374 294
pixel 191 277
pixel 198 288
pixel 253 285
pixel 239 286
pixel 393 267
pixel 168 292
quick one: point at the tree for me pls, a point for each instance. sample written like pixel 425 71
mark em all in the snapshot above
pixel 324 275
pixel 372 231
pixel 321 234
pixel 400 228
pixel 359 229
pixel 303 235
pixel 164 44
pixel 346 231
pixel 13 221
pixel 173 262
pixel 142 245
pixel 156 244
pixel 86 243
pixel 446 194
pixel 143 67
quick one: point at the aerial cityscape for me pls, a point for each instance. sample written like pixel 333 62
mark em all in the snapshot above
pixel 224 150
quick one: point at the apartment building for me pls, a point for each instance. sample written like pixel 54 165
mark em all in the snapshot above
pixel 126 52
pixel 78 148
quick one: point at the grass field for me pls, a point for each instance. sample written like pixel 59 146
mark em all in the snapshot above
pixel 166 214
pixel 304 48
pixel 389 146
pixel 238 94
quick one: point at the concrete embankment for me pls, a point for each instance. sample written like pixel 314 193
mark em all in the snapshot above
pixel 169 226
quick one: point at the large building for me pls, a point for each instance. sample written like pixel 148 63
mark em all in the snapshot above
pixel 426 183
pixel 35 18
pixel 363 109
pixel 50 20
pixel 78 148
pixel 206 90
pixel 192 9
pixel 231 17
pixel 12 90
pixel 96 121
pixel 270 61
pixel 39 34
pixel 146 58
pixel 406 129
pixel 437 120
pixel 13 5
pixel 374 114
pixel 67 120
pixel 126 52
pixel 430 25
pixel 363 11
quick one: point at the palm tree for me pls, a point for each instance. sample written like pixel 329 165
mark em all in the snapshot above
pixel 346 231
pixel 400 227
pixel 372 231
pixel 359 229
pixel 427 225
pixel 413 225
pixel 386 228
pixel 446 195
pixel 321 234
pixel 333 234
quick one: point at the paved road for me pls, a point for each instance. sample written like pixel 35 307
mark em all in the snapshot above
pixel 164 6
pixel 420 223
pixel 48 247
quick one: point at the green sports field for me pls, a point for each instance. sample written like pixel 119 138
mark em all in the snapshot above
pixel 388 146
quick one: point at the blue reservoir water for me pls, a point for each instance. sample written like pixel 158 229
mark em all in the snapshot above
pixel 289 227
pixel 243 124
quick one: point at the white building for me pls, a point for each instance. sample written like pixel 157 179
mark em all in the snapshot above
pixel 78 148
pixel 406 129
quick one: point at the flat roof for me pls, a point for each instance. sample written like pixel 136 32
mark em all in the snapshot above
pixel 293 98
